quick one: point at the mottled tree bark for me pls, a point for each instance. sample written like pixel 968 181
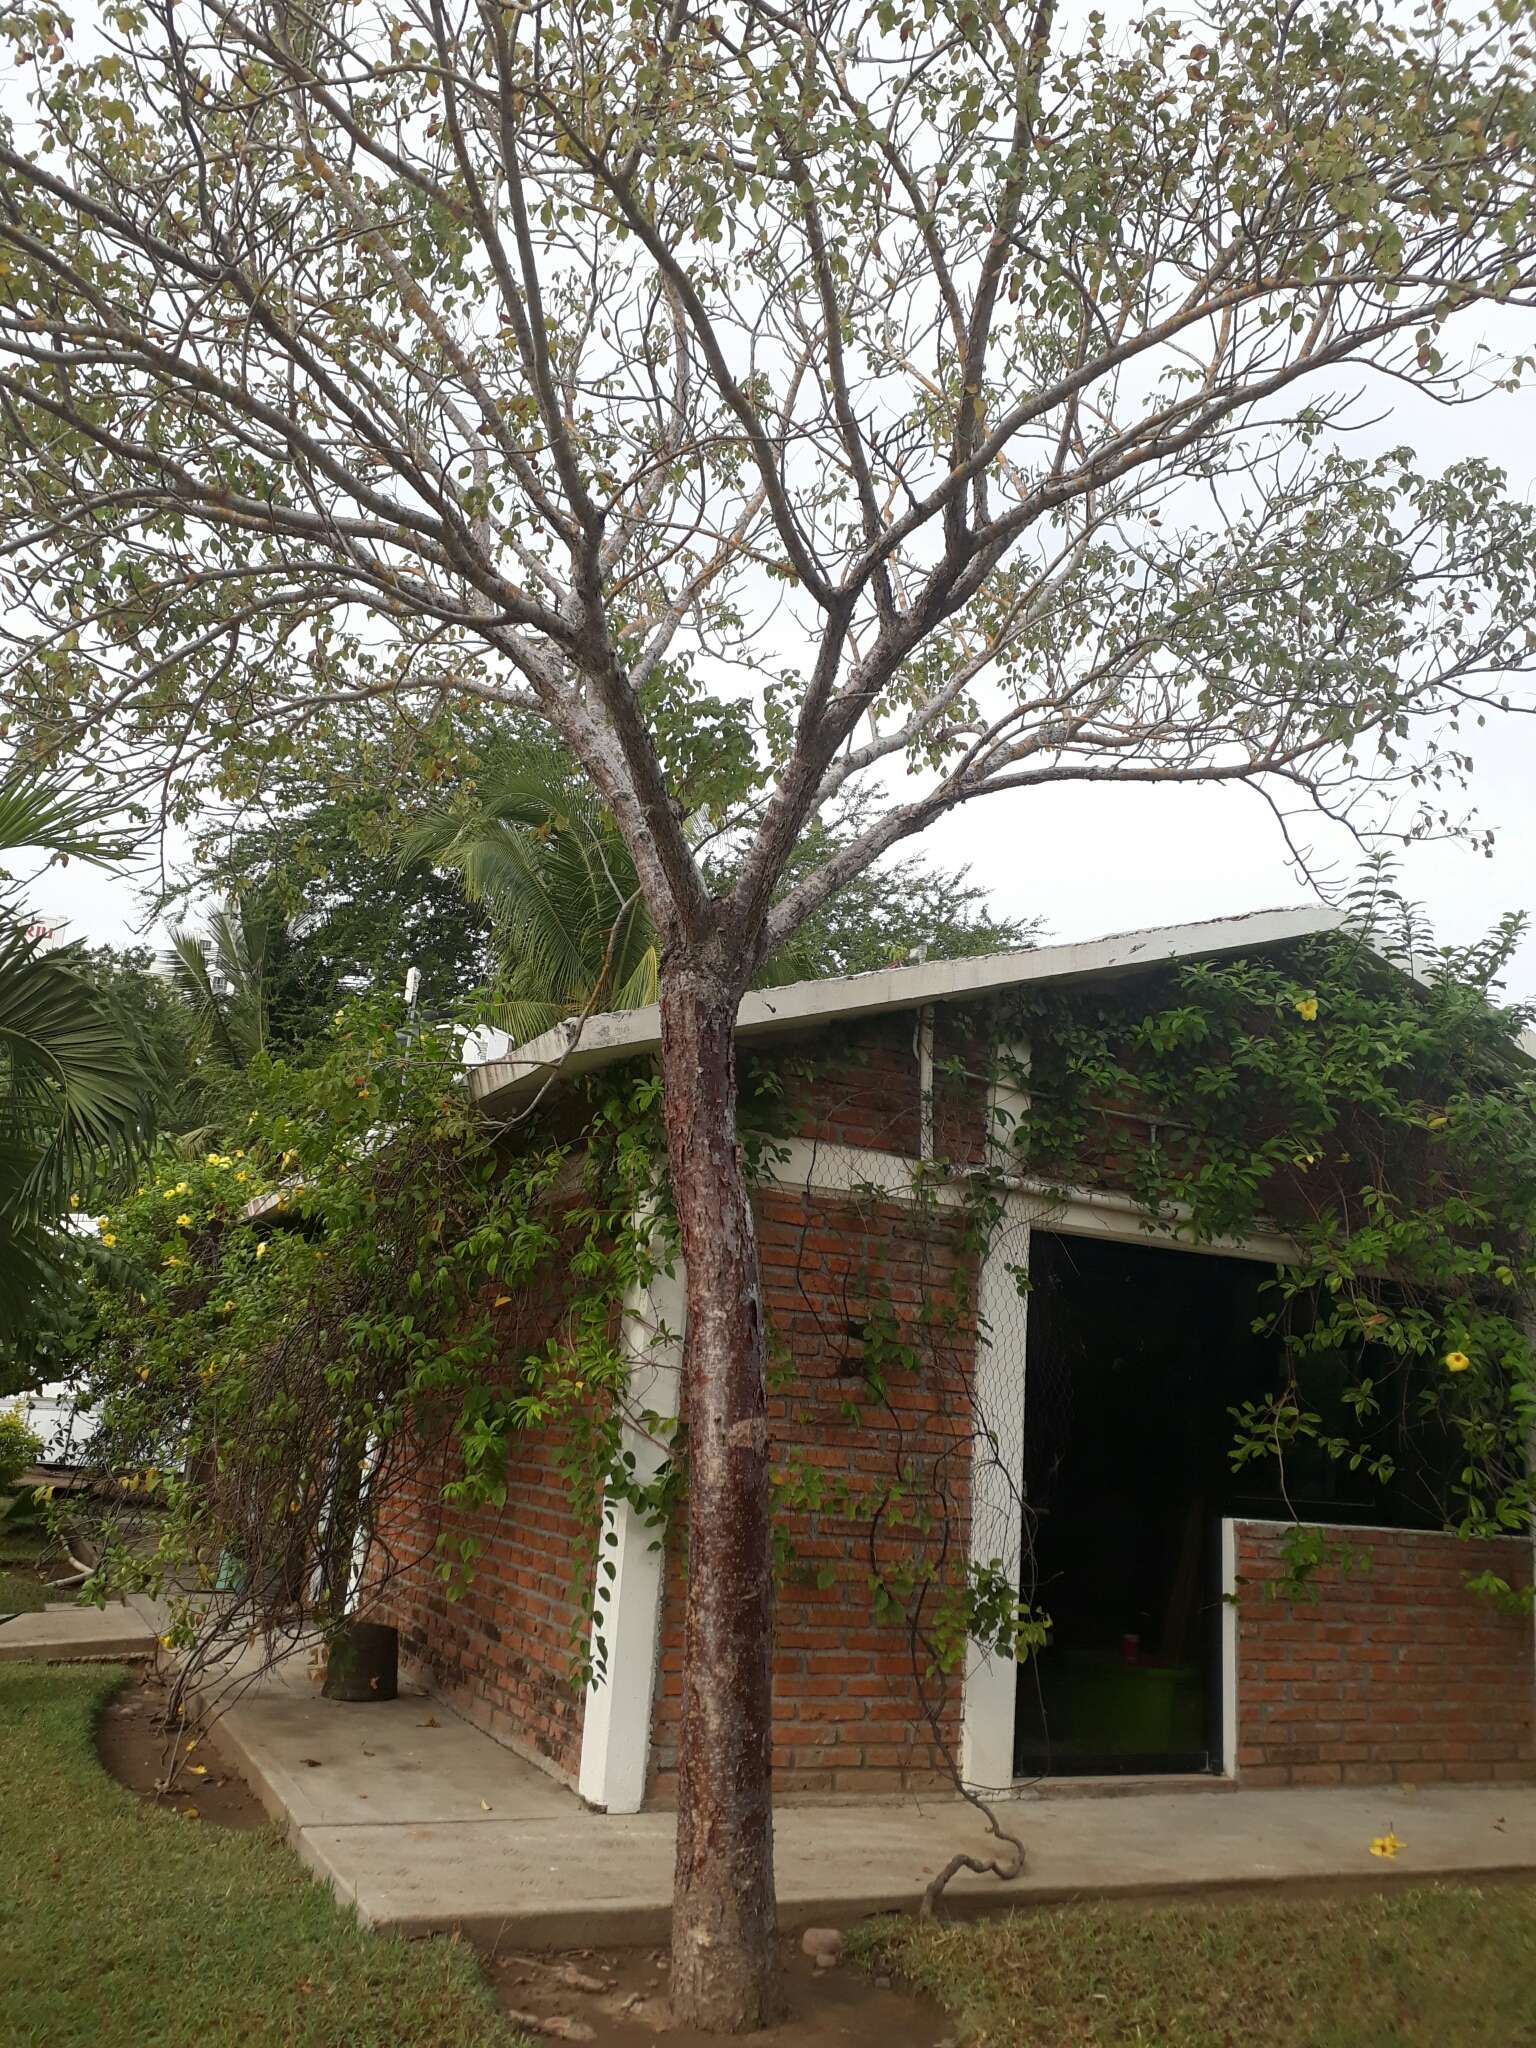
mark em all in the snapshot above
pixel 724 1951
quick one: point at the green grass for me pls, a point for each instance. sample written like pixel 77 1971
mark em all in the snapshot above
pixel 22 1593
pixel 125 1926
pixel 1450 1966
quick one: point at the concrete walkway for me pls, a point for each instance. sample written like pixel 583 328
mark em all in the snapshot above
pixel 63 1634
pixel 426 1824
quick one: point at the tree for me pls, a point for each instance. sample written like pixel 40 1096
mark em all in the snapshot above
pixel 71 1083
pixel 953 397
pixel 540 853
pixel 311 851
pixel 223 976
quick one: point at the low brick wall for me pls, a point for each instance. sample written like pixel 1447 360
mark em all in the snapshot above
pixel 1395 1672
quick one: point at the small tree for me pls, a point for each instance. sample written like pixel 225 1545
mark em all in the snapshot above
pixel 956 394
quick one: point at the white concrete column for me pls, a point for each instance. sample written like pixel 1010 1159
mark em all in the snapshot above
pixel 1229 1648
pixel 997 1477
pixel 616 1732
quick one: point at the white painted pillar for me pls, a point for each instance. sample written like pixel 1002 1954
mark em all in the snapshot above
pixel 997 1458
pixel 1229 1648
pixel 997 1476
pixel 616 1732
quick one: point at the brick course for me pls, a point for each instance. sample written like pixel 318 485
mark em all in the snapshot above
pixel 1398 1672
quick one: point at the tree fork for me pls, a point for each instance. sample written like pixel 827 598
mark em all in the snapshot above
pixel 725 1975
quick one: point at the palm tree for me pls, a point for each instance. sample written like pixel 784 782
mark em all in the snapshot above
pixel 71 1083
pixel 225 981
pixel 541 853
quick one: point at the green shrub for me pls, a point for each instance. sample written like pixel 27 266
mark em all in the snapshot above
pixel 20 1446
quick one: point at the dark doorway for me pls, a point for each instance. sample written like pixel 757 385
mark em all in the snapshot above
pixel 1135 1357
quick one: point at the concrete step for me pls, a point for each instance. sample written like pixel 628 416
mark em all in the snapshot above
pixel 70 1634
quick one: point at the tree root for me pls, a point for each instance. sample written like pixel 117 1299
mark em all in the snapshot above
pixel 1006 1867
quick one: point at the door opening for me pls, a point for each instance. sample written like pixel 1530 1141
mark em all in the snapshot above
pixel 1135 1356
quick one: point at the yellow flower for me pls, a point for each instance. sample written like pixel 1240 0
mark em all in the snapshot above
pixel 1457 1361
pixel 213 1158
pixel 1306 1009
pixel 185 1222
pixel 1386 1845
pixel 171 1261
pixel 229 1308
pixel 102 1222
pixel 74 1201
pixel 262 1249
pixel 364 1091
pixel 109 1237
pixel 242 1175
pixel 238 1153
pixel 288 1158
pixel 252 1117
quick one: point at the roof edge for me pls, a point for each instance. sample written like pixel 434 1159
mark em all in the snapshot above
pixel 581 1045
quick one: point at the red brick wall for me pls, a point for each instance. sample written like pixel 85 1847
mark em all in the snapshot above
pixel 501 1653
pixel 848 1706
pixel 860 1086
pixel 1395 1672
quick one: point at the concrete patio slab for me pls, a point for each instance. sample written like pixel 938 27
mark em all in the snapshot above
pixel 70 1634
pixel 318 1763
pixel 595 1878
pixel 426 1824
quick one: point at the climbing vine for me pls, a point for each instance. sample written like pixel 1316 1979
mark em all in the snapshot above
pixel 1382 1121
pixel 288 1327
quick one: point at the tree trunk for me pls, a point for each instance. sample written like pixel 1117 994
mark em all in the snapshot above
pixel 724 1946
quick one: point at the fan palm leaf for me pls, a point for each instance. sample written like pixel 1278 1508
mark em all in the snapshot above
pixel 71 1082
pixel 543 857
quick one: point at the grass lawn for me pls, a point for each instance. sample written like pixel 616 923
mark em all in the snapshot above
pixel 1450 1966
pixel 23 1553
pixel 22 1592
pixel 124 1926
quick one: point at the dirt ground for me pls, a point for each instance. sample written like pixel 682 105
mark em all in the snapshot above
pixel 136 1747
pixel 611 1998
pixel 616 1998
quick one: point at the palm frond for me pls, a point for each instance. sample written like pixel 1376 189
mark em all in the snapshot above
pixel 71 1087
pixel 34 814
pixel 540 852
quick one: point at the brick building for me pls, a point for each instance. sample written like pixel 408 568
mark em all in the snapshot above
pixel 1068 1427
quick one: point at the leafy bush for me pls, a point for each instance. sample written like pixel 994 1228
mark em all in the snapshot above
pixel 20 1446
